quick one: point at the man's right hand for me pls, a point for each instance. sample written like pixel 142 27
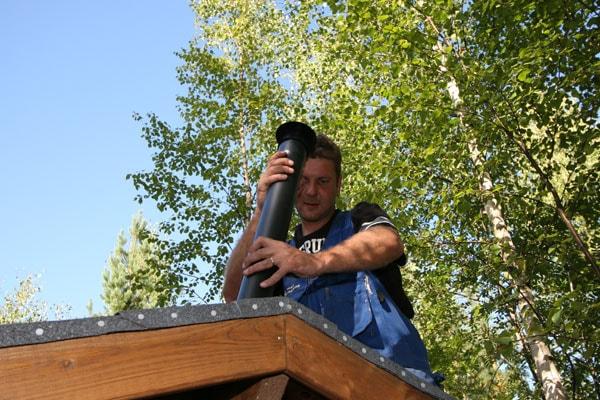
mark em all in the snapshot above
pixel 278 168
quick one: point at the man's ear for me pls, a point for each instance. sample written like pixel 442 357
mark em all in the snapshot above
pixel 339 185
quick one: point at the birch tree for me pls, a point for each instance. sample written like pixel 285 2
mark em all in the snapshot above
pixel 22 304
pixel 204 171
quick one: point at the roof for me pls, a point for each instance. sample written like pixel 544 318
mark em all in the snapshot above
pixel 276 332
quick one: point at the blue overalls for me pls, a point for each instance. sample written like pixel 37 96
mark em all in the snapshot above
pixel 361 307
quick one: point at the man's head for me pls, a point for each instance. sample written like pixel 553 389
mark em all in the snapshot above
pixel 326 149
pixel 319 185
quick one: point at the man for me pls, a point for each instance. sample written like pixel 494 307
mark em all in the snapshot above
pixel 336 261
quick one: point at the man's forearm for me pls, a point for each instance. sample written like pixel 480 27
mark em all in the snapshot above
pixel 233 270
pixel 370 249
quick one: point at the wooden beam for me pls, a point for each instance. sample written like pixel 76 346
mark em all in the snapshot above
pixel 267 388
pixel 145 363
pixel 238 359
pixel 329 368
pixel 270 388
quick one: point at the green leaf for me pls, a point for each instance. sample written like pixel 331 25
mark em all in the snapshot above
pixel 524 76
pixel 505 339
pixel 556 316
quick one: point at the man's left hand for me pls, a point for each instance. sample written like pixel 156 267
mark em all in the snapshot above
pixel 266 253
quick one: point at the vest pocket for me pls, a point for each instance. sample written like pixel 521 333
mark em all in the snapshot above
pixel 347 305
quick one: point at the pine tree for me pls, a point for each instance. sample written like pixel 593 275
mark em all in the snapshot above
pixel 127 281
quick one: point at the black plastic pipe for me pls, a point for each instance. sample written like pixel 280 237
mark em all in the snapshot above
pixel 297 140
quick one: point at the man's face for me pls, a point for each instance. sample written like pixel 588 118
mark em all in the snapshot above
pixel 317 190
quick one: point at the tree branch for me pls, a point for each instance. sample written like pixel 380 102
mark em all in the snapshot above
pixel 557 200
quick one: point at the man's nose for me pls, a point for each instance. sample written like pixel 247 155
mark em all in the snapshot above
pixel 311 188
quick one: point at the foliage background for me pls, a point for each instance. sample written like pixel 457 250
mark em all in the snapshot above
pixel 23 305
pixel 475 125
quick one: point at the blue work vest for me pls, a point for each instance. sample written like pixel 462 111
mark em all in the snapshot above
pixel 360 306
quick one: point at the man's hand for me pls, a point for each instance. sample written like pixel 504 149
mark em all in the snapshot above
pixel 266 253
pixel 278 168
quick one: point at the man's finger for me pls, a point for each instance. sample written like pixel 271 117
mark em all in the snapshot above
pixel 271 179
pixel 279 169
pixel 258 266
pixel 273 279
pixel 263 242
pixel 280 158
pixel 278 154
pixel 255 257
pixel 257 244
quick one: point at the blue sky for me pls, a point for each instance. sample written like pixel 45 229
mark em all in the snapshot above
pixel 71 75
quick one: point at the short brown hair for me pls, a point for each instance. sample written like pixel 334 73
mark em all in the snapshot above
pixel 327 149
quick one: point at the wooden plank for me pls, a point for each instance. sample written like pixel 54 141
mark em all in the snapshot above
pixel 267 388
pixel 334 371
pixel 146 363
pixel 270 388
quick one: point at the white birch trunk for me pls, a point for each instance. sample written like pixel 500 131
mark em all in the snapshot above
pixel 245 168
pixel 243 148
pixel 545 368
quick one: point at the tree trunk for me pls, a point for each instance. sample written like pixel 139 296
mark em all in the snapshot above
pixel 245 168
pixel 545 368
pixel 526 354
pixel 243 148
